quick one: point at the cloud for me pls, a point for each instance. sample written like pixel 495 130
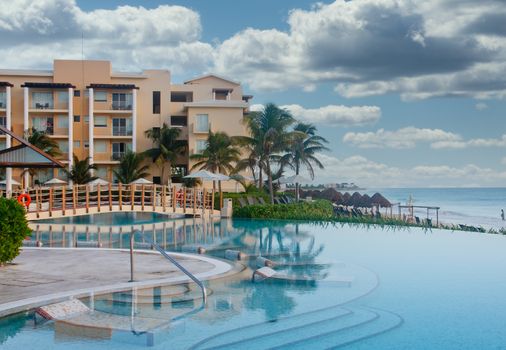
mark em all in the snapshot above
pixel 133 37
pixel 332 115
pixel 481 106
pixel 399 139
pixel 503 161
pixel 370 173
pixel 372 47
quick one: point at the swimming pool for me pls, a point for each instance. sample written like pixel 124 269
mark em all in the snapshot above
pixel 113 218
pixel 409 289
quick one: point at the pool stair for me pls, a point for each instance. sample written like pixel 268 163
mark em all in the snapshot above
pixel 327 328
pixel 140 317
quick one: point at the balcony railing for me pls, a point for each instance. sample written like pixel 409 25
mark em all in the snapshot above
pixel 43 105
pixel 121 131
pixel 201 129
pixel 121 106
pixel 117 155
pixel 3 104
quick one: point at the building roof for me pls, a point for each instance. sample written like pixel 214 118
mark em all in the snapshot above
pixel 26 72
pixel 113 86
pixel 25 155
pixel 217 104
pixel 48 85
pixel 5 83
pixel 211 76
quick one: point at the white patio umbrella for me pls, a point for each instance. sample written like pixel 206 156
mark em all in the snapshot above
pixel 13 182
pixel 209 176
pixel 55 181
pixel 141 181
pixel 294 179
pixel 98 181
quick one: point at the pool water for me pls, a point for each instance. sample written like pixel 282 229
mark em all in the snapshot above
pixel 345 286
pixel 114 218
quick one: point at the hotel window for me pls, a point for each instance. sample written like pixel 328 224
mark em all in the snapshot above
pixel 77 93
pixel 63 122
pixel 181 96
pixel 156 102
pixel 122 127
pixel 62 174
pixel 177 120
pixel 86 144
pixel 77 118
pixel 42 100
pixel 44 175
pixel 100 146
pixel 3 145
pixel 102 172
pixel 77 144
pixel 63 146
pixel 202 123
pixel 44 124
pixel 100 96
pixel 121 101
pixel 63 98
pixel 86 119
pixel 3 100
pixel 119 149
pixel 200 146
pixel 100 122
pixel 3 121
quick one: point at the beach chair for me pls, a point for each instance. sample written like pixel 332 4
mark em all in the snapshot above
pixel 242 202
pixel 417 219
pixel 277 200
pixel 251 200
pixel 429 223
pixel 261 200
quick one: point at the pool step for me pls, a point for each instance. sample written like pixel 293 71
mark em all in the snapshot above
pixel 316 330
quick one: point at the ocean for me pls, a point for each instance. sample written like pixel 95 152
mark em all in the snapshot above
pixel 469 206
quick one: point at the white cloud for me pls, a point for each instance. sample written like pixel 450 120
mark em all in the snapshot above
pixel 409 137
pixel 480 106
pixel 369 173
pixel 332 115
pixel 402 138
pixel 132 37
pixel 503 161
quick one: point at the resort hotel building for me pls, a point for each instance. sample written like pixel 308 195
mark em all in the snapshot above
pixel 93 111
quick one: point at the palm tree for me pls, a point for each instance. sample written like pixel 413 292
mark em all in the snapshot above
pixel 269 136
pixel 43 142
pixel 302 151
pixel 167 148
pixel 219 156
pixel 81 171
pixel 130 168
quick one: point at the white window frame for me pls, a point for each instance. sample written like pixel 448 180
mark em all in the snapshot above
pixel 100 146
pixel 100 118
pixel 100 96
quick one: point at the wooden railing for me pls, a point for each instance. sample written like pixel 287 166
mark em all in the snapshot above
pixel 67 200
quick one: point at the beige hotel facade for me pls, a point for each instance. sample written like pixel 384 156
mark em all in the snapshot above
pixel 93 111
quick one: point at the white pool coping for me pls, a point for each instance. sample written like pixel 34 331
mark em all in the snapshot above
pixel 220 267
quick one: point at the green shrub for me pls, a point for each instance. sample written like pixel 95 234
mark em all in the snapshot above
pixel 235 197
pixel 13 229
pixel 317 210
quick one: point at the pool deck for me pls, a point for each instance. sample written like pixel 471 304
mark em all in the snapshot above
pixel 40 276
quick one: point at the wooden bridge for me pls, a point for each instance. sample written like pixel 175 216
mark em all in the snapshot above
pixel 47 202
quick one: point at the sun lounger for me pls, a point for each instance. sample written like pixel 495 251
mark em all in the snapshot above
pixel 417 219
pixel 251 200
pixel 261 200
pixel 277 200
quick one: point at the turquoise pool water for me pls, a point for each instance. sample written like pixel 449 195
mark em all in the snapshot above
pixel 408 289
pixel 115 218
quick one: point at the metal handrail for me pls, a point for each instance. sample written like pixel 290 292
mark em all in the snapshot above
pixel 178 265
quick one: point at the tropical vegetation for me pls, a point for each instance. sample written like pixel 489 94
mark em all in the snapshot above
pixel 43 142
pixel 167 147
pixel 81 171
pixel 13 228
pixel 130 168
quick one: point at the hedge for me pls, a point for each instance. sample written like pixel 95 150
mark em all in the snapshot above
pixel 317 210
pixel 13 229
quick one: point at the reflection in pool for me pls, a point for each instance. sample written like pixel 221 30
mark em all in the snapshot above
pixel 409 289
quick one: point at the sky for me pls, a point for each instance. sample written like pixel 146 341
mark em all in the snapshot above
pixel 408 93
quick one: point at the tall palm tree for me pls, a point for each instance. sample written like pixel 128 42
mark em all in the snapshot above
pixel 130 168
pixel 81 171
pixel 167 148
pixel 302 151
pixel 269 136
pixel 43 142
pixel 219 156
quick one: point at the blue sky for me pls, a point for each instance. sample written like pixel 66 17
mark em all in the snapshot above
pixel 408 93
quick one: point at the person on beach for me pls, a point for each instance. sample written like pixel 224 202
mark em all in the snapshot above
pixel 502 214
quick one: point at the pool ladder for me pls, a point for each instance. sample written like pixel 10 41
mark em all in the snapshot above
pixel 173 261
